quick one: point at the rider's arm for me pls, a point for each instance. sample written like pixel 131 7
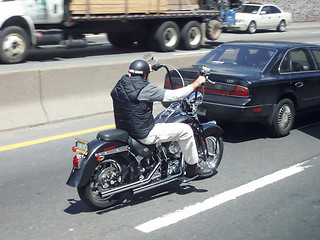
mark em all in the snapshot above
pixel 153 93
pixel 177 94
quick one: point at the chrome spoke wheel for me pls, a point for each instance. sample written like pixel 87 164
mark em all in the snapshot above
pixel 215 149
pixel 285 116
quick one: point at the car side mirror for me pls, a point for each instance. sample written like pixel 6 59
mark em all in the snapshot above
pixel 263 12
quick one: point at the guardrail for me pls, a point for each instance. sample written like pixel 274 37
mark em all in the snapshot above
pixel 44 95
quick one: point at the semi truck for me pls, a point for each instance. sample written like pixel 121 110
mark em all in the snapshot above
pixel 160 25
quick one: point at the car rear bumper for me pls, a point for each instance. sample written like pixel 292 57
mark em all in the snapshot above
pixel 257 113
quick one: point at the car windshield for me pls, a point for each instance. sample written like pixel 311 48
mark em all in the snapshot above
pixel 238 56
pixel 249 9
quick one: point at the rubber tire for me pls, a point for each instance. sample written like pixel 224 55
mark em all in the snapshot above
pixel 86 197
pixel 23 37
pixel 213 30
pixel 220 150
pixel 160 38
pixel 189 33
pixel 96 203
pixel 276 129
pixel 282 26
pixel 121 39
pixel 252 28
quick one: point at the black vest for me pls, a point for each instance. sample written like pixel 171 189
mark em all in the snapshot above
pixel 132 115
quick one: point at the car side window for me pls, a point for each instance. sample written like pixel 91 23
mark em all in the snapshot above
pixel 316 54
pixel 266 9
pixel 274 9
pixel 296 60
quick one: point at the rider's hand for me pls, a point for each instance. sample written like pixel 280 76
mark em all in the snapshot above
pixel 197 83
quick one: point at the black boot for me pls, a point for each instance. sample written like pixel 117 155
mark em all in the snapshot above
pixel 198 170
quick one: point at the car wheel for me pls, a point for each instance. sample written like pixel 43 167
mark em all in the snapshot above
pixel 283 117
pixel 252 28
pixel 282 26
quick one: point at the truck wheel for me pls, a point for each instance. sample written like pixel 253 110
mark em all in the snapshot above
pixel 121 39
pixel 283 117
pixel 213 30
pixel 191 36
pixel 14 44
pixel 167 36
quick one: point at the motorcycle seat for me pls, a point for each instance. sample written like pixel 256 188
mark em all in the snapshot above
pixel 113 134
pixel 140 149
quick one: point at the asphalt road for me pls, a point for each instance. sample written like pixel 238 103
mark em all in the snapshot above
pixel 266 188
pixel 36 203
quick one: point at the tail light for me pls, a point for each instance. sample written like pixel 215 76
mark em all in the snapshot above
pixel 77 161
pixel 238 91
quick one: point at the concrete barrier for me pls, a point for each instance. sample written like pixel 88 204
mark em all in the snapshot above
pixel 44 95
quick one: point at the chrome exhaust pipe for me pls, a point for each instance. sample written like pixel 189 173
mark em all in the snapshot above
pixel 156 184
pixel 130 185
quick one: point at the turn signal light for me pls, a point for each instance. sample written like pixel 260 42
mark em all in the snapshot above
pixel 99 158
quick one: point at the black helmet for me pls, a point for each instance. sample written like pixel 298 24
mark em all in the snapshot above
pixel 139 67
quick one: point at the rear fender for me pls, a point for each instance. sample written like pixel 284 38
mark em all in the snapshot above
pixel 211 129
pixel 80 177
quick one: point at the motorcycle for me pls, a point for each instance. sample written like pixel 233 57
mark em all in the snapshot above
pixel 114 163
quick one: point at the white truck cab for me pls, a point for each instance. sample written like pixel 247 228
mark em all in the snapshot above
pixel 18 20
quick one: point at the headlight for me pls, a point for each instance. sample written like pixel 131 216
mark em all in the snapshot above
pixel 239 21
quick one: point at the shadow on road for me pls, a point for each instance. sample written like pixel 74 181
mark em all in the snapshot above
pixel 76 206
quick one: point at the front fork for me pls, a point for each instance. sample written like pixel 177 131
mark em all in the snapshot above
pixel 200 142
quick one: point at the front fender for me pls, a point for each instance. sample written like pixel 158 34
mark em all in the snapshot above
pixel 211 128
pixel 80 177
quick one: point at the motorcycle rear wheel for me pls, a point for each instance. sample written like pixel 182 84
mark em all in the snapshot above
pixel 104 177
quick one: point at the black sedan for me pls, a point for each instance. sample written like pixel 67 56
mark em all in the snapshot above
pixel 266 82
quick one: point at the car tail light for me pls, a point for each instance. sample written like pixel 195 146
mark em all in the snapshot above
pixel 238 91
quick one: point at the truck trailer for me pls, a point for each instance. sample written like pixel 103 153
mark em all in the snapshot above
pixel 160 25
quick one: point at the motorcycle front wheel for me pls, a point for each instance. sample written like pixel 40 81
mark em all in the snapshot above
pixel 105 176
pixel 214 151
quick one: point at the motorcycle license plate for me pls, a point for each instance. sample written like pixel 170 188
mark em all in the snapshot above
pixel 81 146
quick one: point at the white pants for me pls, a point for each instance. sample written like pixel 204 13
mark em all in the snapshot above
pixel 181 132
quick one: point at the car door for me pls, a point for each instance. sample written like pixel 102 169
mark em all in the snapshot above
pixel 275 16
pixel 271 17
pixel 263 18
pixel 299 65
pixel 316 54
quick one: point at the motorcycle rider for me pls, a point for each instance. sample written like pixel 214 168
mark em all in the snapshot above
pixel 133 98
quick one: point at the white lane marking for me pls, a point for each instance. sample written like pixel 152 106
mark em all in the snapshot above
pixel 217 200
